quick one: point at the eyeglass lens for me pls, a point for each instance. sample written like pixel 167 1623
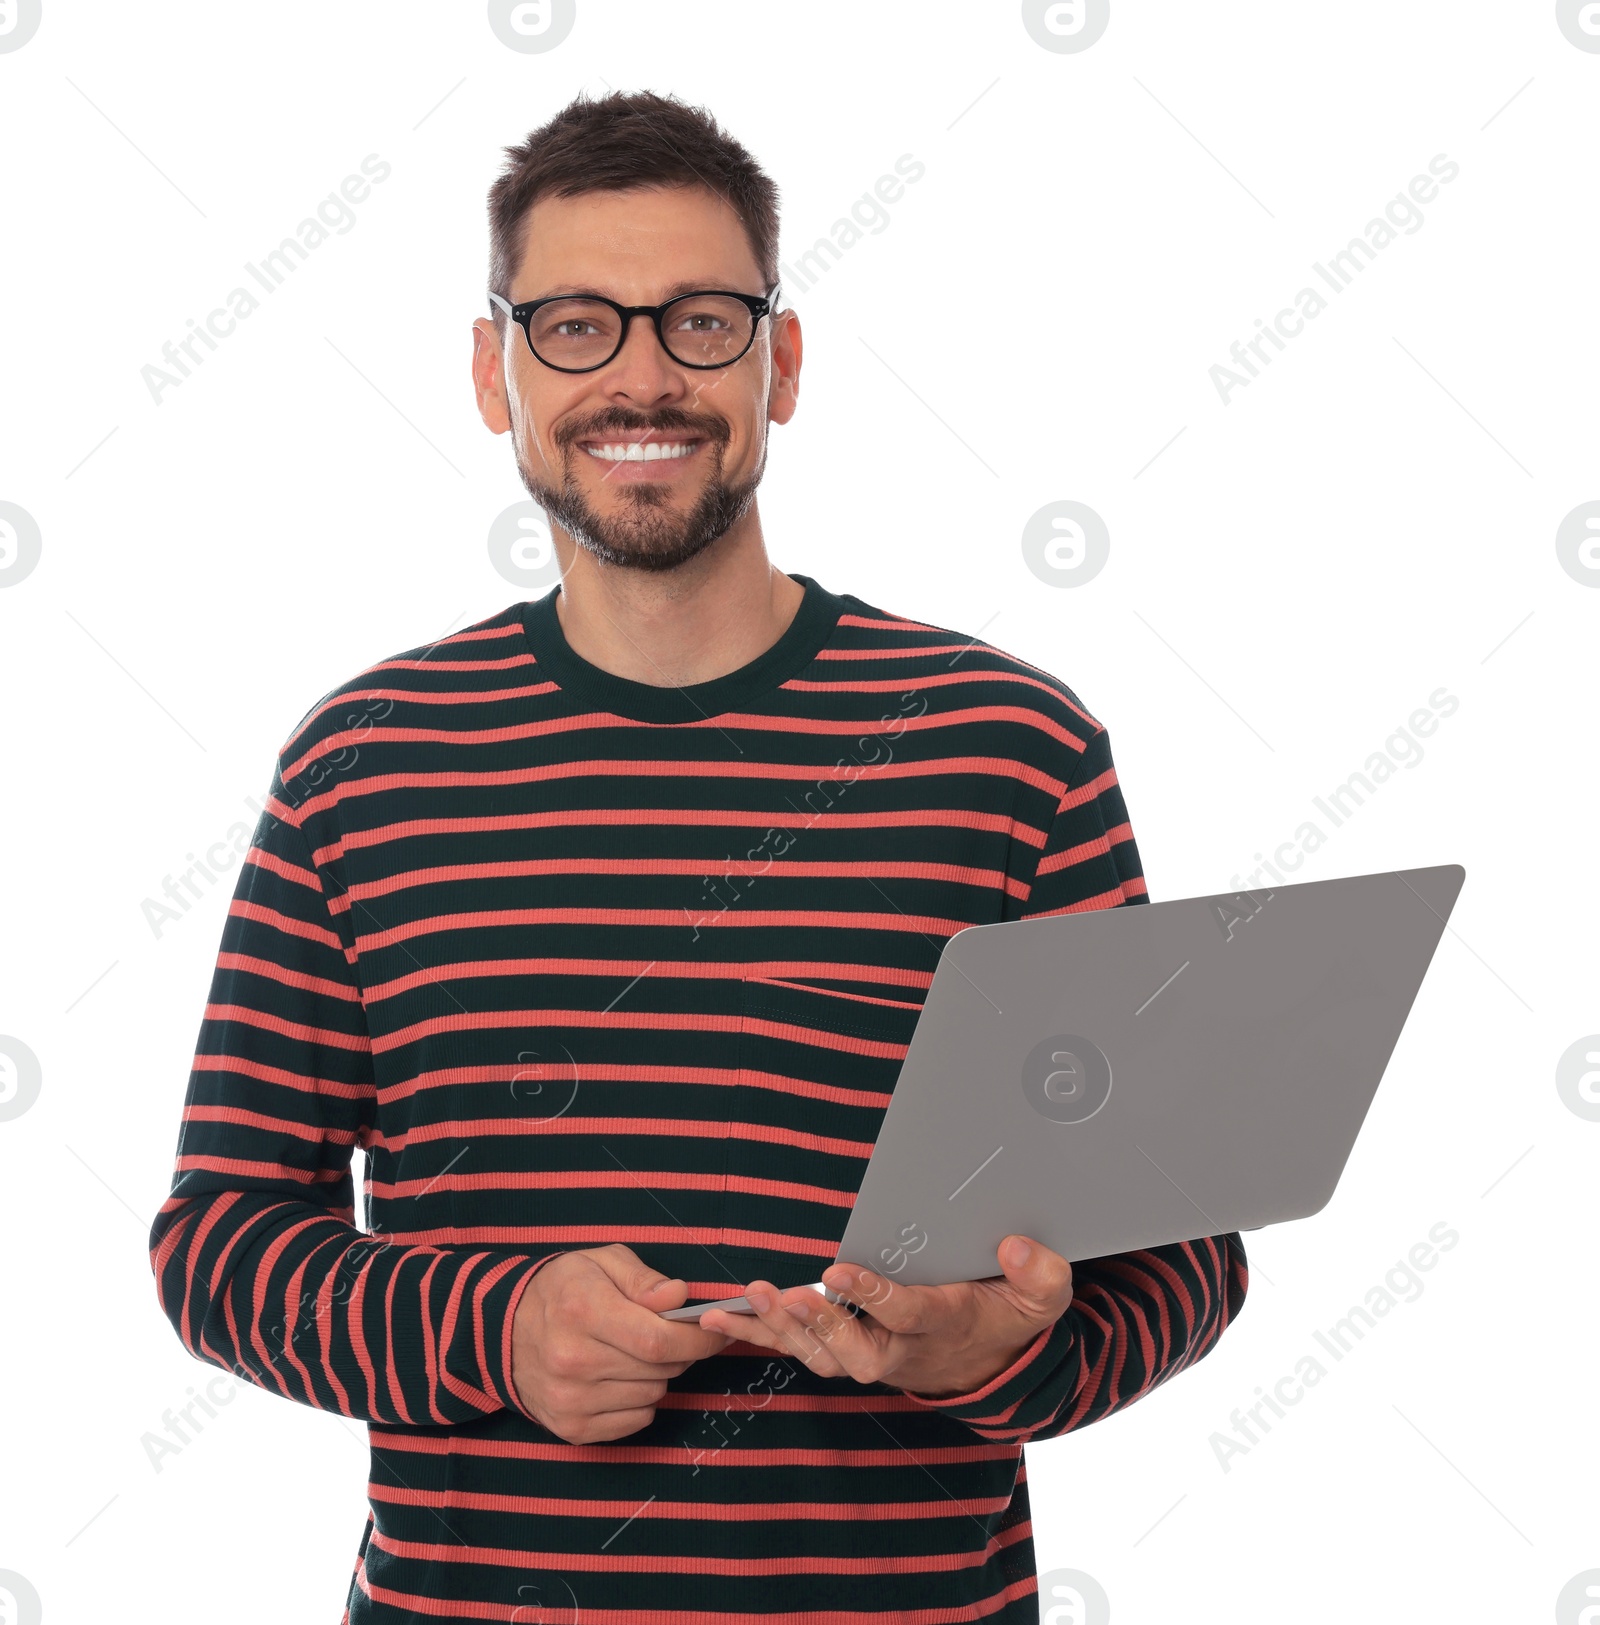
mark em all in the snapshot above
pixel 702 330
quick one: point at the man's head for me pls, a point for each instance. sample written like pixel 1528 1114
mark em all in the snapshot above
pixel 636 198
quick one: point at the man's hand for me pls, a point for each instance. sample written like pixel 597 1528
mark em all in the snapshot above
pixel 590 1354
pixel 932 1340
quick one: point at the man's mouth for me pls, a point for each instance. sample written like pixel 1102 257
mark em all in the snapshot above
pixel 640 450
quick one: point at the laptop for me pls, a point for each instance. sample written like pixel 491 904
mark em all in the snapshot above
pixel 1131 1077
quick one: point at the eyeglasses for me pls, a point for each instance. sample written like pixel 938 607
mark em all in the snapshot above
pixel 580 333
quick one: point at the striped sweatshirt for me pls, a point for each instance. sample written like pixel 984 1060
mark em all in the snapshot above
pixel 576 960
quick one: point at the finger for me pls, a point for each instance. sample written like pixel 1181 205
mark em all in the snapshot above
pixel 1039 1280
pixel 624 1267
pixel 638 1331
pixel 652 1291
pixel 857 1344
pixel 607 1426
pixel 624 1394
pixel 621 1425
pixel 742 1328
pixel 667 1293
pixel 670 1294
pixel 792 1336
pixel 754 1330
pixel 897 1308
pixel 597 1361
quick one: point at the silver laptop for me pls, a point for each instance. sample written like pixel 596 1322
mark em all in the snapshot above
pixel 1131 1077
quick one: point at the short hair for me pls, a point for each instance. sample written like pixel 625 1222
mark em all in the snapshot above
pixel 620 141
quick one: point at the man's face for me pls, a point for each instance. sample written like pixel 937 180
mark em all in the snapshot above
pixel 638 247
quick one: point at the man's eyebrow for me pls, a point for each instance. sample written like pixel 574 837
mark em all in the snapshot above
pixel 690 285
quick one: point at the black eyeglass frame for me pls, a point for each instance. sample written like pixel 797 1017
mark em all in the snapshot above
pixel 758 305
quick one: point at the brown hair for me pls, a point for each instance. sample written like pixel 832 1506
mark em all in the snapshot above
pixel 621 141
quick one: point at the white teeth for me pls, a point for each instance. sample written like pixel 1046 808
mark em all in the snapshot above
pixel 641 451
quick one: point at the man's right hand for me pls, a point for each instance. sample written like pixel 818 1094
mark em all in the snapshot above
pixel 590 1354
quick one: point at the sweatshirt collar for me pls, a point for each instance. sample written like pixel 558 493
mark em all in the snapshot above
pixel 601 690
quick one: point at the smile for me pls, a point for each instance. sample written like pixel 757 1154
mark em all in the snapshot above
pixel 643 451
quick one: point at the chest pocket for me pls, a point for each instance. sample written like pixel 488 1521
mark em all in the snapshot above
pixel 816 1070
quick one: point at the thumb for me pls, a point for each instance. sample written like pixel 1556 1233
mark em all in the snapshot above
pixel 663 1293
pixel 1041 1280
pixel 635 1280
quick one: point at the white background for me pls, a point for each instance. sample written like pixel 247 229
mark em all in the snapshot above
pixel 1290 578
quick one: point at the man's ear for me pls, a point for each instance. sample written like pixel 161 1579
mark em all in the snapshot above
pixel 489 376
pixel 787 346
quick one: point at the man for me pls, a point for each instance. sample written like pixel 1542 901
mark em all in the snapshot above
pixel 601 926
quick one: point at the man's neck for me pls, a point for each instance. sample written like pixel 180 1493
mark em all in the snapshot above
pixel 673 628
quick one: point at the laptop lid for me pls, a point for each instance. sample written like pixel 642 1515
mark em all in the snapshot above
pixel 1130 1077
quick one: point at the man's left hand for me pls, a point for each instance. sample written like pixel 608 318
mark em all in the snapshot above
pixel 933 1340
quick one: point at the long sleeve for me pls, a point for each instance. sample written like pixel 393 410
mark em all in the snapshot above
pixel 1136 1319
pixel 258 1262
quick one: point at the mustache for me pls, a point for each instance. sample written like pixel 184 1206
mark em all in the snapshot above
pixel 621 419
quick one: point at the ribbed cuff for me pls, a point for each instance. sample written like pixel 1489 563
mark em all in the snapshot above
pixel 500 1316
pixel 996 1404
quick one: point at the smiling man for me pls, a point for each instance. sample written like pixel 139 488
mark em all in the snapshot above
pixel 601 926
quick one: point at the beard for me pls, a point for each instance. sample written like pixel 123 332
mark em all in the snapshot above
pixel 647 533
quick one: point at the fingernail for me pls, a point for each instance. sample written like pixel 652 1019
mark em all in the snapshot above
pixel 799 1310
pixel 759 1301
pixel 1020 1251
